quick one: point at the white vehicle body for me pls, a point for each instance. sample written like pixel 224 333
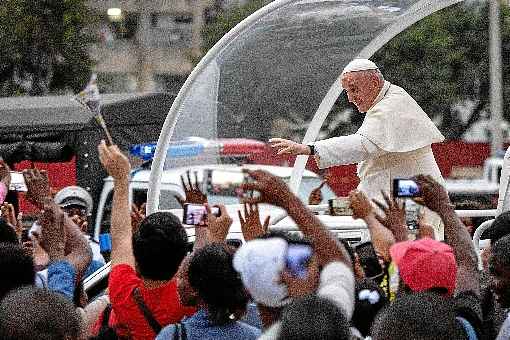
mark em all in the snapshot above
pixel 171 185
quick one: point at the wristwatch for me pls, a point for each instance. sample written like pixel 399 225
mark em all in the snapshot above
pixel 312 149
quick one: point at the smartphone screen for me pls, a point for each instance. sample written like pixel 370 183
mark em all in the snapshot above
pixel 403 187
pixel 412 213
pixel 297 258
pixel 369 260
pixel 17 182
pixel 196 214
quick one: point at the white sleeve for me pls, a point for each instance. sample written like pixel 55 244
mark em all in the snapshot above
pixel 345 150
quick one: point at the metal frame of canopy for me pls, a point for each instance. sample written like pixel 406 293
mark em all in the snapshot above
pixel 416 12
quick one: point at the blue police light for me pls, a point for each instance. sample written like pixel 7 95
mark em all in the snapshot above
pixel 178 149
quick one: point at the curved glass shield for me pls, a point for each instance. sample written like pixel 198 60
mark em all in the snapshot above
pixel 281 63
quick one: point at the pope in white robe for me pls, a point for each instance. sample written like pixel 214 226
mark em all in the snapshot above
pixel 394 140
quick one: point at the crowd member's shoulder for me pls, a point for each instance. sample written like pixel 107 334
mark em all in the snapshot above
pixel 468 306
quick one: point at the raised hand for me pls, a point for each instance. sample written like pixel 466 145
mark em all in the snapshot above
pixel 53 231
pixel 272 189
pixel 218 226
pixel 394 216
pixel 38 186
pixel 360 205
pixel 288 147
pixel 137 215
pixel 315 197
pixel 193 193
pixel 9 215
pixel 5 173
pixel 433 194
pixel 250 224
pixel 114 161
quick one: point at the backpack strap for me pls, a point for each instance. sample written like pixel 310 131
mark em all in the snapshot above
pixel 180 332
pixel 468 328
pixel 147 314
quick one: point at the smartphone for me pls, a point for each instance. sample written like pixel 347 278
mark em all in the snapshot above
pixel 196 214
pixel 17 182
pixel 369 260
pixel 297 259
pixel 340 206
pixel 405 187
pixel 412 213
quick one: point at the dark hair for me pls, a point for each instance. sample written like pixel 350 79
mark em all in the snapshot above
pixel 7 234
pixel 418 316
pixel 16 268
pixel 500 251
pixel 312 318
pixel 366 308
pixel 499 228
pixel 212 275
pixel 31 313
pixel 159 245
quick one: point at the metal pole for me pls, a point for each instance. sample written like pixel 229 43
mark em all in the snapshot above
pixel 496 88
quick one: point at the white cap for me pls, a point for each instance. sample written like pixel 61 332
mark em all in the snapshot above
pixel 359 65
pixel 260 263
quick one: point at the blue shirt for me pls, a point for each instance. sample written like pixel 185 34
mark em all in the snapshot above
pixel 61 278
pixel 199 327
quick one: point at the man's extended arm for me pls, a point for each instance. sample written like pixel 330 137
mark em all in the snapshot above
pixel 436 199
pixel 117 165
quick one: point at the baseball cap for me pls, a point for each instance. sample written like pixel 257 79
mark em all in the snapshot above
pixel 74 196
pixel 260 263
pixel 425 264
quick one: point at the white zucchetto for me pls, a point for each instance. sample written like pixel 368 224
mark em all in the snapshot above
pixel 359 65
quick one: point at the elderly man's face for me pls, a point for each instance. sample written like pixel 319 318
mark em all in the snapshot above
pixel 362 88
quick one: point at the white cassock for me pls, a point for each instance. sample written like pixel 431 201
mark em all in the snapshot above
pixel 393 141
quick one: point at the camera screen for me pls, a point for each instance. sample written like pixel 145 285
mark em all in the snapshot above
pixel 196 214
pixel 406 188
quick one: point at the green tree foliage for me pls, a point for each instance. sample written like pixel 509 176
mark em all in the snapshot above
pixel 44 46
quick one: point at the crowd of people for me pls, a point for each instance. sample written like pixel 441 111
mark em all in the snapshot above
pixel 276 285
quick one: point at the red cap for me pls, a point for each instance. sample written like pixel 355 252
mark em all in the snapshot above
pixel 425 264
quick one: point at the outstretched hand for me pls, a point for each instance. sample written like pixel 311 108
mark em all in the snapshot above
pixel 288 147
pixel 53 231
pixel 114 161
pixel 394 216
pixel 433 194
pixel 250 224
pixel 38 186
pixel 218 226
pixel 315 197
pixel 272 189
pixel 192 191
pixel 360 205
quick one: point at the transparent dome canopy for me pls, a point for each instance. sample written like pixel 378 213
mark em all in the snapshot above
pixel 286 57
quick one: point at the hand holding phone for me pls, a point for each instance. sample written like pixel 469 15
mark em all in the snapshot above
pixel 297 259
pixel 17 182
pixel 196 214
pixel 405 187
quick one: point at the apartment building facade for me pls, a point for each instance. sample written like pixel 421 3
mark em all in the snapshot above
pixel 147 45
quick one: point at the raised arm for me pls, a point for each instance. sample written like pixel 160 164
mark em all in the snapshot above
pixel 436 199
pixel 274 191
pixel 117 166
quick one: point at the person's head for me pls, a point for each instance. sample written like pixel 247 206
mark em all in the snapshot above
pixel 7 233
pixel 369 300
pixel 499 228
pixel 313 317
pixel 16 268
pixel 77 203
pixel 212 282
pixel 159 246
pixel 418 316
pixel 499 269
pixel 362 81
pixel 30 313
pixel 425 264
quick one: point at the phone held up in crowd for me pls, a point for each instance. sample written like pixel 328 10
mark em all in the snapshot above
pixel 405 188
pixel 196 214
pixel 369 260
pixel 297 259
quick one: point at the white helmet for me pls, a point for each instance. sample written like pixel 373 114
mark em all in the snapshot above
pixel 74 195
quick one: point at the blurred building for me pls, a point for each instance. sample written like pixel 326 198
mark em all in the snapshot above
pixel 147 45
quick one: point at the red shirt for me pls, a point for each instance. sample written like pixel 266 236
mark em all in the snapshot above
pixel 126 316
